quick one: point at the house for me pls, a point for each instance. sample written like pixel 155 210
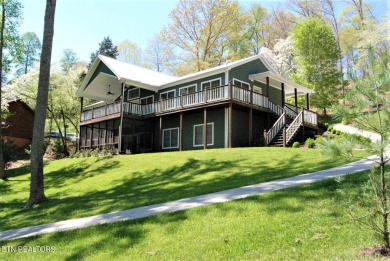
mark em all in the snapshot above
pixel 234 105
pixel 18 127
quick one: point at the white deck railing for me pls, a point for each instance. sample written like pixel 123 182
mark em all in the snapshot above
pixel 279 124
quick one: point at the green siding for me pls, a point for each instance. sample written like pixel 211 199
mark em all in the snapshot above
pixel 243 71
pixel 101 68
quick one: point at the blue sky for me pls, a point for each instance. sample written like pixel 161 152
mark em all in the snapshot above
pixel 81 24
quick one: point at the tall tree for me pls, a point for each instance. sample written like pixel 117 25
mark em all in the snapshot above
pixel 37 194
pixel 129 52
pixel 159 54
pixel 107 48
pixel 10 15
pixel 30 47
pixel 316 55
pixel 68 60
pixel 201 30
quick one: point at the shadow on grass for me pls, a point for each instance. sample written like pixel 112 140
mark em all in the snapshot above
pixel 148 187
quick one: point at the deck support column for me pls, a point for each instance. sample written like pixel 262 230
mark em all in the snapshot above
pixel 296 99
pixel 230 125
pixel 230 94
pixel 307 101
pixel 267 85
pixel 250 126
pixel 303 125
pixel 160 141
pixel 205 128
pixel 81 113
pixel 284 137
pixel 181 132
pixel 121 120
pixel 283 101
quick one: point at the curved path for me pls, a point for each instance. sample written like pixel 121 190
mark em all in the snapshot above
pixel 203 200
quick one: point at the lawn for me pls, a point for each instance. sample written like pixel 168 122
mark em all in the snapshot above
pixel 88 186
pixel 303 223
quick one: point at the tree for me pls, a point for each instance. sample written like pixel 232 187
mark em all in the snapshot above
pixel 129 52
pixel 30 48
pixel 366 106
pixel 201 31
pixel 37 194
pixel 159 55
pixel 316 55
pixel 107 48
pixel 68 60
pixel 10 15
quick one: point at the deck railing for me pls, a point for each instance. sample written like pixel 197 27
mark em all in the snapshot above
pixel 294 127
pixel 279 124
pixel 216 94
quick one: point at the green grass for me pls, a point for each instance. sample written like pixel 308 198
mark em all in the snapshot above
pixel 84 187
pixel 302 223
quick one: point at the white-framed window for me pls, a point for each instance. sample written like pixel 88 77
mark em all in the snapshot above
pixel 147 100
pixel 167 95
pixel 187 89
pixel 241 84
pixel 170 138
pixel 257 89
pixel 211 84
pixel 133 94
pixel 198 134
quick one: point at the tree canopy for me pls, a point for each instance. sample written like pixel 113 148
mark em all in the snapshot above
pixel 29 52
pixel 107 48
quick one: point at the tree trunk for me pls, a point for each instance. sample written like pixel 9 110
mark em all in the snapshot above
pixel 3 174
pixel 37 194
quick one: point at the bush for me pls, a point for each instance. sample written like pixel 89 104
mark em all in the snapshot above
pixel 9 152
pixel 310 143
pixel 338 132
pixel 296 145
pixel 334 131
pixel 330 128
pixel 345 121
pixel 326 125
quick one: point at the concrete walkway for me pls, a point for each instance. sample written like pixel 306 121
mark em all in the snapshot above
pixel 188 203
pixel 352 130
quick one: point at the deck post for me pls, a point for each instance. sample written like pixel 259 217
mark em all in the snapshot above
pixel 283 101
pixel 250 126
pixel 296 99
pixel 121 121
pixel 251 95
pixel 307 101
pixel 303 124
pixel 265 137
pixel 267 85
pixel 91 140
pixel 160 135
pixel 230 90
pixel 205 128
pixel 230 125
pixel 284 137
pixel 81 113
pixel 181 132
pixel 205 94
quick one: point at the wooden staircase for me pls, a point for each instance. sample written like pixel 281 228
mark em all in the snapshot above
pixel 277 141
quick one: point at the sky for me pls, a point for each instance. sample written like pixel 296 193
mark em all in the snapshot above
pixel 81 24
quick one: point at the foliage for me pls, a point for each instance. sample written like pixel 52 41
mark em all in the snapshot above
pixel 107 48
pixel 129 52
pixel 68 60
pixel 310 143
pixel 370 93
pixel 30 52
pixel 281 57
pixel 9 152
pixel 316 54
pixel 296 144
pixel 152 178
pixel 201 31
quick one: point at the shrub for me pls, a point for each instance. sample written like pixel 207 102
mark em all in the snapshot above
pixel 296 145
pixel 345 121
pixel 326 125
pixel 9 152
pixel 95 152
pixel 334 131
pixel 338 132
pixel 330 128
pixel 114 151
pixel 310 143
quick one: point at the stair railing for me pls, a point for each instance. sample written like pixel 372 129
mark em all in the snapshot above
pixel 290 112
pixel 294 127
pixel 279 124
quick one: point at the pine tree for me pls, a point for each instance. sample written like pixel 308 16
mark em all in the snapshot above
pixel 107 48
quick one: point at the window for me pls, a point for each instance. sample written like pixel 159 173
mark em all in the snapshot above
pixel 257 89
pixel 241 84
pixel 198 134
pixel 147 100
pixel 170 138
pixel 211 84
pixel 187 90
pixel 133 94
pixel 167 95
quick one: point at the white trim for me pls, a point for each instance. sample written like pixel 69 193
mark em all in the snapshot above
pixel 249 85
pixel 143 98
pixel 170 129
pixel 220 82
pixel 226 127
pixel 212 134
pixel 174 93
pixel 128 91
pixel 188 86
